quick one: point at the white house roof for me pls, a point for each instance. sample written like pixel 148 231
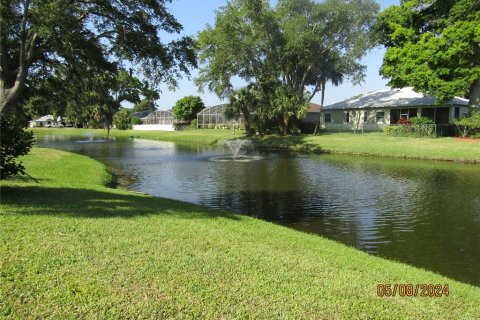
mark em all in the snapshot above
pixel 44 118
pixel 404 97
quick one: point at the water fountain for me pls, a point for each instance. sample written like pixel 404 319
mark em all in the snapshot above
pixel 236 145
pixel 235 150
pixel 91 139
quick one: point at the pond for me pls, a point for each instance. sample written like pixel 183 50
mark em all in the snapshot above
pixel 424 213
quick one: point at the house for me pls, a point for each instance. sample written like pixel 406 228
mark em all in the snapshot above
pixel 375 110
pixel 45 121
pixel 312 113
pixel 49 121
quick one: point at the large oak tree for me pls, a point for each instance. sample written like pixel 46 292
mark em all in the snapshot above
pixel 39 36
pixel 434 46
pixel 289 52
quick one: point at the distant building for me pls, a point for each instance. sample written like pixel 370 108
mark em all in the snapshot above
pixel 213 117
pixel 375 110
pixel 45 121
pixel 162 120
pixel 141 114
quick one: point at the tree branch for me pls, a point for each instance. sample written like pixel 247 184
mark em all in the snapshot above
pixel 316 89
pixel 7 93
pixel 305 75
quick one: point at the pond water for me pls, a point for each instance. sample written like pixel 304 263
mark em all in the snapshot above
pixel 424 213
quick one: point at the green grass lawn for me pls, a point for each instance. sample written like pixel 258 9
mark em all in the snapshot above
pixel 375 143
pixel 380 144
pixel 204 136
pixel 72 248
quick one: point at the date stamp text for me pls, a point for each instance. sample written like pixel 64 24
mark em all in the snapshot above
pixel 412 290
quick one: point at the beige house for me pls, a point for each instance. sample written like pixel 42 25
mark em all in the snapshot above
pixel 373 111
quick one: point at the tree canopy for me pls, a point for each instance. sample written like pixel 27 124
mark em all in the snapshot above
pixel 123 119
pixel 40 36
pixel 144 105
pixel 186 108
pixel 288 51
pixel 434 46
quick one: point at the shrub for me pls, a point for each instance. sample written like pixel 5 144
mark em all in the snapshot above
pixel 181 126
pixel 403 121
pixel 421 120
pixel 401 131
pixel 294 131
pixel 136 120
pixel 422 130
pixel 413 127
pixel 193 124
pixel 307 127
pixel 15 142
pixel 469 126
pixel 122 119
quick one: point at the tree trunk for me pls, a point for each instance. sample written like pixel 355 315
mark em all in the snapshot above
pixel 286 124
pixel 12 86
pixel 475 95
pixel 246 118
pixel 319 122
pixel 8 96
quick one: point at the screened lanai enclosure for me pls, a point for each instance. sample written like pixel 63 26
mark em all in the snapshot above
pixel 214 118
pixel 158 120
pixel 160 117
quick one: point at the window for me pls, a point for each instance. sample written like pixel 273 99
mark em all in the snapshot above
pixel 328 117
pixel 365 117
pixel 457 113
pixel 397 114
pixel 380 116
pixel 347 117
pixel 412 113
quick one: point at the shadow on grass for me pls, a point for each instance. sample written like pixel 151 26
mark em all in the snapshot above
pixel 32 200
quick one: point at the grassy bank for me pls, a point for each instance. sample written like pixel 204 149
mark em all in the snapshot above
pixel 204 136
pixel 72 248
pixel 376 143
pixel 379 144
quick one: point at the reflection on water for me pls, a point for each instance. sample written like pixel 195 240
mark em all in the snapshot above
pixel 424 213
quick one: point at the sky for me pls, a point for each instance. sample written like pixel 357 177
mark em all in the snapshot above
pixel 194 15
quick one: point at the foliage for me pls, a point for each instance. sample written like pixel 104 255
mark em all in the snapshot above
pixel 403 121
pixel 421 120
pixel 193 124
pixel 123 119
pixel 186 108
pixel 136 120
pixel 410 130
pixel 41 38
pixel 470 126
pixel 144 105
pixel 309 128
pixel 433 46
pixel 286 53
pixel 15 142
pixel 397 130
pixel 246 102
pixel 85 96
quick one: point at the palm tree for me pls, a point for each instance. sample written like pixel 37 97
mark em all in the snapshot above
pixel 243 102
pixel 332 72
